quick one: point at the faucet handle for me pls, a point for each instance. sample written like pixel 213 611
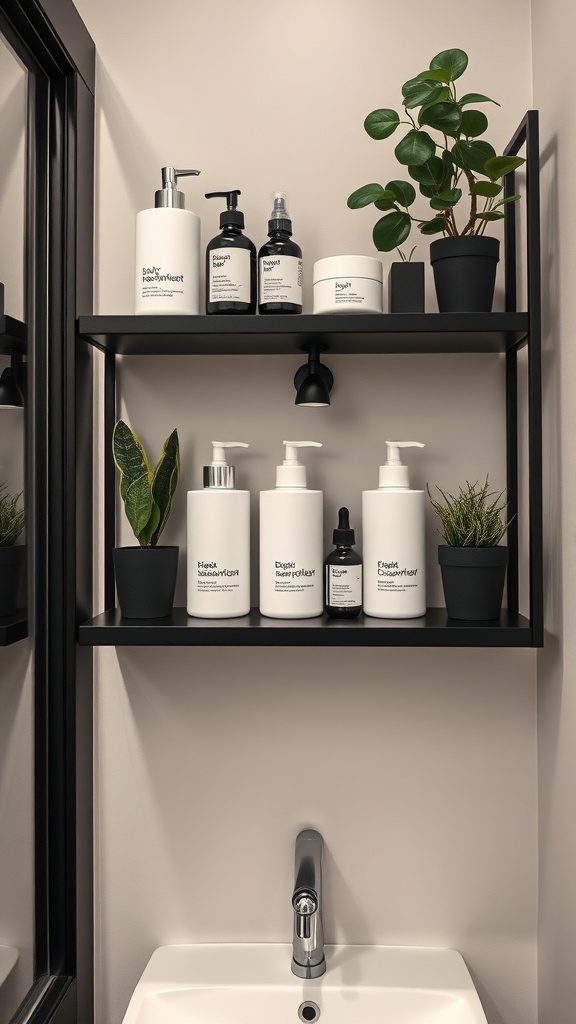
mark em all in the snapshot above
pixel 305 904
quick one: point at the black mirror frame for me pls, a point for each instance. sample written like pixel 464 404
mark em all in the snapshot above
pixel 52 42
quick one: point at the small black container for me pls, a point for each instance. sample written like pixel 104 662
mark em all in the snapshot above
pixel 473 581
pixel 465 272
pixel 146 580
pixel 12 565
pixel 406 288
pixel 279 265
pixel 343 573
pixel 230 263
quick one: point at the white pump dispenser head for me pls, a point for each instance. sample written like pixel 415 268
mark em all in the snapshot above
pixel 219 473
pixel 394 473
pixel 292 473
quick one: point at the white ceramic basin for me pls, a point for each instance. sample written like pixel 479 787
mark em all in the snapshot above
pixel 253 984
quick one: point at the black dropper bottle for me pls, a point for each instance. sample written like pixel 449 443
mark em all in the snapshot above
pixel 230 262
pixel 279 264
pixel 343 573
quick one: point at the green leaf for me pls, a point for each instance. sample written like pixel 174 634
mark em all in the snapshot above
pixel 417 91
pixel 488 189
pixel 387 202
pixel 138 505
pixel 472 155
pixel 390 231
pixel 509 199
pixel 433 227
pixel 403 192
pixel 454 62
pixel 129 456
pixel 430 173
pixel 165 481
pixel 474 123
pixel 429 191
pixel 475 97
pixel 365 195
pixel 490 215
pixel 434 75
pixel 381 123
pixel 445 117
pixel 443 200
pixel 498 166
pixel 415 148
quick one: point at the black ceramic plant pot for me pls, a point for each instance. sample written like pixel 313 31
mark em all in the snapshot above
pixel 12 563
pixel 473 581
pixel 406 288
pixel 146 580
pixel 465 272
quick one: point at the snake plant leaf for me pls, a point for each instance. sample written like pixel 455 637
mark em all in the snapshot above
pixel 138 505
pixel 473 123
pixel 403 192
pixel 454 62
pixel 475 97
pixel 164 482
pixel 415 148
pixel 444 117
pixel 379 124
pixel 129 456
pixel 498 166
pixel 390 231
pixel 365 195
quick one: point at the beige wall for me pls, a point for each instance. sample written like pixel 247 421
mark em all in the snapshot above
pixel 556 664
pixel 421 767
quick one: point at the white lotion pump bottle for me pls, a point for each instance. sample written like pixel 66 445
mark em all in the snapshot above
pixel 218 542
pixel 168 252
pixel 291 542
pixel 393 544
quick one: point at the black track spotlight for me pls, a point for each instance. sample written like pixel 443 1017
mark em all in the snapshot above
pixel 10 393
pixel 313 381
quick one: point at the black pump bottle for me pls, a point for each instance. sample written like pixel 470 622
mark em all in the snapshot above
pixel 230 262
pixel 343 573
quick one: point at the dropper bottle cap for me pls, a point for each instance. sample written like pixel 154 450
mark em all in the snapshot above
pixel 169 195
pixel 394 473
pixel 279 218
pixel 292 473
pixel 219 473
pixel 230 216
pixel 343 535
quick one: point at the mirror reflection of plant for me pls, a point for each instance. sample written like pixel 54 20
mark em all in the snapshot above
pixel 147 493
pixel 12 518
pixel 471 519
pixel 443 168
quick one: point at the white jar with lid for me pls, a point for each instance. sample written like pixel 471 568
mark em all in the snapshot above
pixel 348 284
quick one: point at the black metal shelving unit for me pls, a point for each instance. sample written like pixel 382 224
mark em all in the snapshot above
pixel 504 333
pixel 13 339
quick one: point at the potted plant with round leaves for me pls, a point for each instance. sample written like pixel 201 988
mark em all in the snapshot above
pixel 456 170
pixel 472 561
pixel 145 574
pixel 12 555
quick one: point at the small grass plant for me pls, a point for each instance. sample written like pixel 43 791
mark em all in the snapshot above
pixel 473 518
pixel 12 518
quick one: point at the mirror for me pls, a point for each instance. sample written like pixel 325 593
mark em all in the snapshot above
pixel 47 69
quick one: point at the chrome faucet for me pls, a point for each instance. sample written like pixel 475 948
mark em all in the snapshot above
pixel 308 939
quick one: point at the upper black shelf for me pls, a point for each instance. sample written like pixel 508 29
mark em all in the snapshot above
pixel 13 335
pixel 13 627
pixel 284 335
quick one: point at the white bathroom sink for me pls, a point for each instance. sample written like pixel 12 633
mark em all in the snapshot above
pixel 246 983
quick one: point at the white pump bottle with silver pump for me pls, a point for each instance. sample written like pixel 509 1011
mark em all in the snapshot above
pixel 393 545
pixel 218 542
pixel 291 542
pixel 168 252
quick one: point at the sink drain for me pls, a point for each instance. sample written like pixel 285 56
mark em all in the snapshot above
pixel 308 1012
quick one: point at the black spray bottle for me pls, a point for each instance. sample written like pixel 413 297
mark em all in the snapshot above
pixel 230 262
pixel 280 264
pixel 343 573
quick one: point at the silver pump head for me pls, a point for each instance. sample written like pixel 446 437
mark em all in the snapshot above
pixel 169 194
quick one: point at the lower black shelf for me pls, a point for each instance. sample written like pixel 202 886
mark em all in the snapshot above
pixel 13 627
pixel 434 629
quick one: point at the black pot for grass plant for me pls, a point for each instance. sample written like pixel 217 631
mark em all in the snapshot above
pixel 12 555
